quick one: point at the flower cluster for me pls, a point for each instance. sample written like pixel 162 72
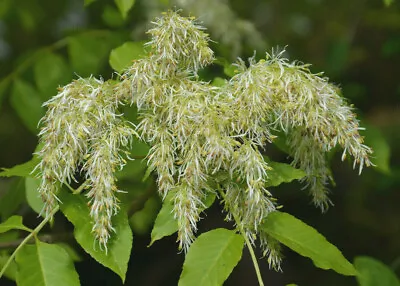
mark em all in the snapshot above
pixel 307 108
pixel 199 132
pixel 203 139
pixel 82 131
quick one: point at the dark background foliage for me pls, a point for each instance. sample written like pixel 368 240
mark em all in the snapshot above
pixel 44 44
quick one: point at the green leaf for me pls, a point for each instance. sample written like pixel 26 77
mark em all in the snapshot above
pixel 50 72
pixel 27 103
pixel 12 198
pixel 71 251
pixel 4 84
pixel 211 258
pixel 112 17
pixel 11 271
pixel 142 220
pixel 32 194
pixel 88 2
pixel 381 156
pixel 45 264
pixel 372 272
pixel 306 241
pixel 165 223
pixel 14 222
pixel 89 52
pixel 122 56
pixel 282 173
pixel 124 6
pixel 387 2
pixel 22 170
pixel 76 209
pixel 219 82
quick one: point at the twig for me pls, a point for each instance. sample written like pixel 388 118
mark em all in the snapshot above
pixel 34 233
pixel 248 244
pixel 29 237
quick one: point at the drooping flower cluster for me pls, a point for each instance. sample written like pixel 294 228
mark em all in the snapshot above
pixel 307 108
pixel 203 139
pixel 197 131
pixel 82 131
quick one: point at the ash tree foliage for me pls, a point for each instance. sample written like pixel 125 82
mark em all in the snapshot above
pixel 207 142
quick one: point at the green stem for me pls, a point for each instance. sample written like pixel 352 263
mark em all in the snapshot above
pixel 26 240
pixel 248 244
pixel 39 227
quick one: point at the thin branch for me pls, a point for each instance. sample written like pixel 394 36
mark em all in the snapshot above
pixel 34 233
pixel 28 238
pixel 248 244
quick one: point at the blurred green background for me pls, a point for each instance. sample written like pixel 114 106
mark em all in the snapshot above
pixel 46 43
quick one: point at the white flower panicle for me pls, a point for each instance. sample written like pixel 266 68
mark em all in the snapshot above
pixel 203 139
pixel 180 43
pixel 82 131
pixel 277 95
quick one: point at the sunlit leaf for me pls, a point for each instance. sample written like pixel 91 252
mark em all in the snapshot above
pixel 124 6
pixel 122 56
pixel 14 222
pixel 282 173
pixel 165 223
pixel 45 264
pixel 71 251
pixel 211 258
pixel 76 209
pixel 32 194
pixel 27 102
pixel 372 272
pixel 306 241
pixel 22 170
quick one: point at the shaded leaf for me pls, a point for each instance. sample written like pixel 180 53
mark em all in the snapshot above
pixel 122 56
pixel 45 264
pixel 22 170
pixel 124 6
pixel 112 17
pixel 14 222
pixel 142 220
pixel 12 199
pixel 119 246
pixel 211 258
pixel 306 241
pixel 89 52
pixel 372 272
pixel 32 194
pixel 282 173
pixel 88 2
pixel 387 2
pixel 381 156
pixel 50 72
pixel 11 271
pixel 27 103
pixel 4 84
pixel 165 223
